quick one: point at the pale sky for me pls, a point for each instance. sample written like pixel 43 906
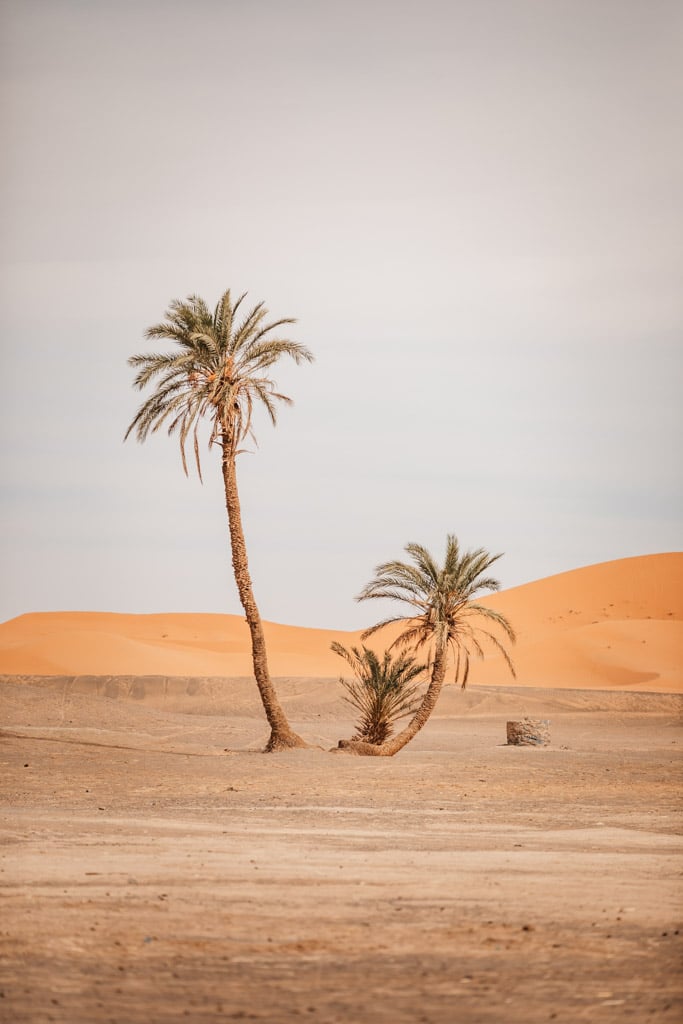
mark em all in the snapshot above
pixel 474 209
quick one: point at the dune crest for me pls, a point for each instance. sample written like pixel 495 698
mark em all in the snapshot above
pixel 615 625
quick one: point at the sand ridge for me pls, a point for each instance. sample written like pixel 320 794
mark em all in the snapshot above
pixel 617 624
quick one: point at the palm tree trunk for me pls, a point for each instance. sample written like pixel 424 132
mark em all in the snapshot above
pixel 421 716
pixel 282 736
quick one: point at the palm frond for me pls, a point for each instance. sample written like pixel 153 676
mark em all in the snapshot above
pixel 440 610
pixel 383 690
pixel 494 616
pixel 381 625
pixel 248 328
pixel 215 373
pixel 263 354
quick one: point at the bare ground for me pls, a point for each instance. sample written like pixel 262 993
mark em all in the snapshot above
pixel 149 874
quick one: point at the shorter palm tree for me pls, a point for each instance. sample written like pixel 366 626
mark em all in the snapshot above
pixel 442 615
pixel 383 691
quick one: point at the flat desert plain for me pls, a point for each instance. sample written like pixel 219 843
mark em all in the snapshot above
pixel 155 866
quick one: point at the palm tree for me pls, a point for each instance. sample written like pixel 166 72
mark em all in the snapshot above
pixel 441 615
pixel 383 690
pixel 218 371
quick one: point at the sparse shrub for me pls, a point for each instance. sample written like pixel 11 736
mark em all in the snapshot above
pixel 383 691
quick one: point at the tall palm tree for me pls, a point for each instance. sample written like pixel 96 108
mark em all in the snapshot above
pixel 383 690
pixel 442 614
pixel 218 371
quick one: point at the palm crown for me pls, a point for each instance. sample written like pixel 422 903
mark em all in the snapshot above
pixel 440 598
pixel 218 371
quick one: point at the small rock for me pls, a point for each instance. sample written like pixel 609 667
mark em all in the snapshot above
pixel 529 732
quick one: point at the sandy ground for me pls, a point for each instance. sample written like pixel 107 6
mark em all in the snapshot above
pixel 155 867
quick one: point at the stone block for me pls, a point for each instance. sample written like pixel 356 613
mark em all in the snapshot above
pixel 529 732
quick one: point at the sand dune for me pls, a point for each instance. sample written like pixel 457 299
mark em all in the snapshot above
pixel 614 625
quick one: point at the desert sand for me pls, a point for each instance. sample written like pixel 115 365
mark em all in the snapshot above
pixel 155 866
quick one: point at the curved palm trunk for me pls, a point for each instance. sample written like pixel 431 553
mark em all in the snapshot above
pixel 421 716
pixel 282 736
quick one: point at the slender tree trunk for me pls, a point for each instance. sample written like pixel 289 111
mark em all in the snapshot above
pixel 282 736
pixel 421 716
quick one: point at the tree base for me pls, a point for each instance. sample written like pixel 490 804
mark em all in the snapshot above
pixel 284 741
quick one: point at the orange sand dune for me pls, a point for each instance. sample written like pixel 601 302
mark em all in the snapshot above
pixel 614 625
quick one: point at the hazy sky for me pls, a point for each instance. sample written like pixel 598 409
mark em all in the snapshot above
pixel 474 209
